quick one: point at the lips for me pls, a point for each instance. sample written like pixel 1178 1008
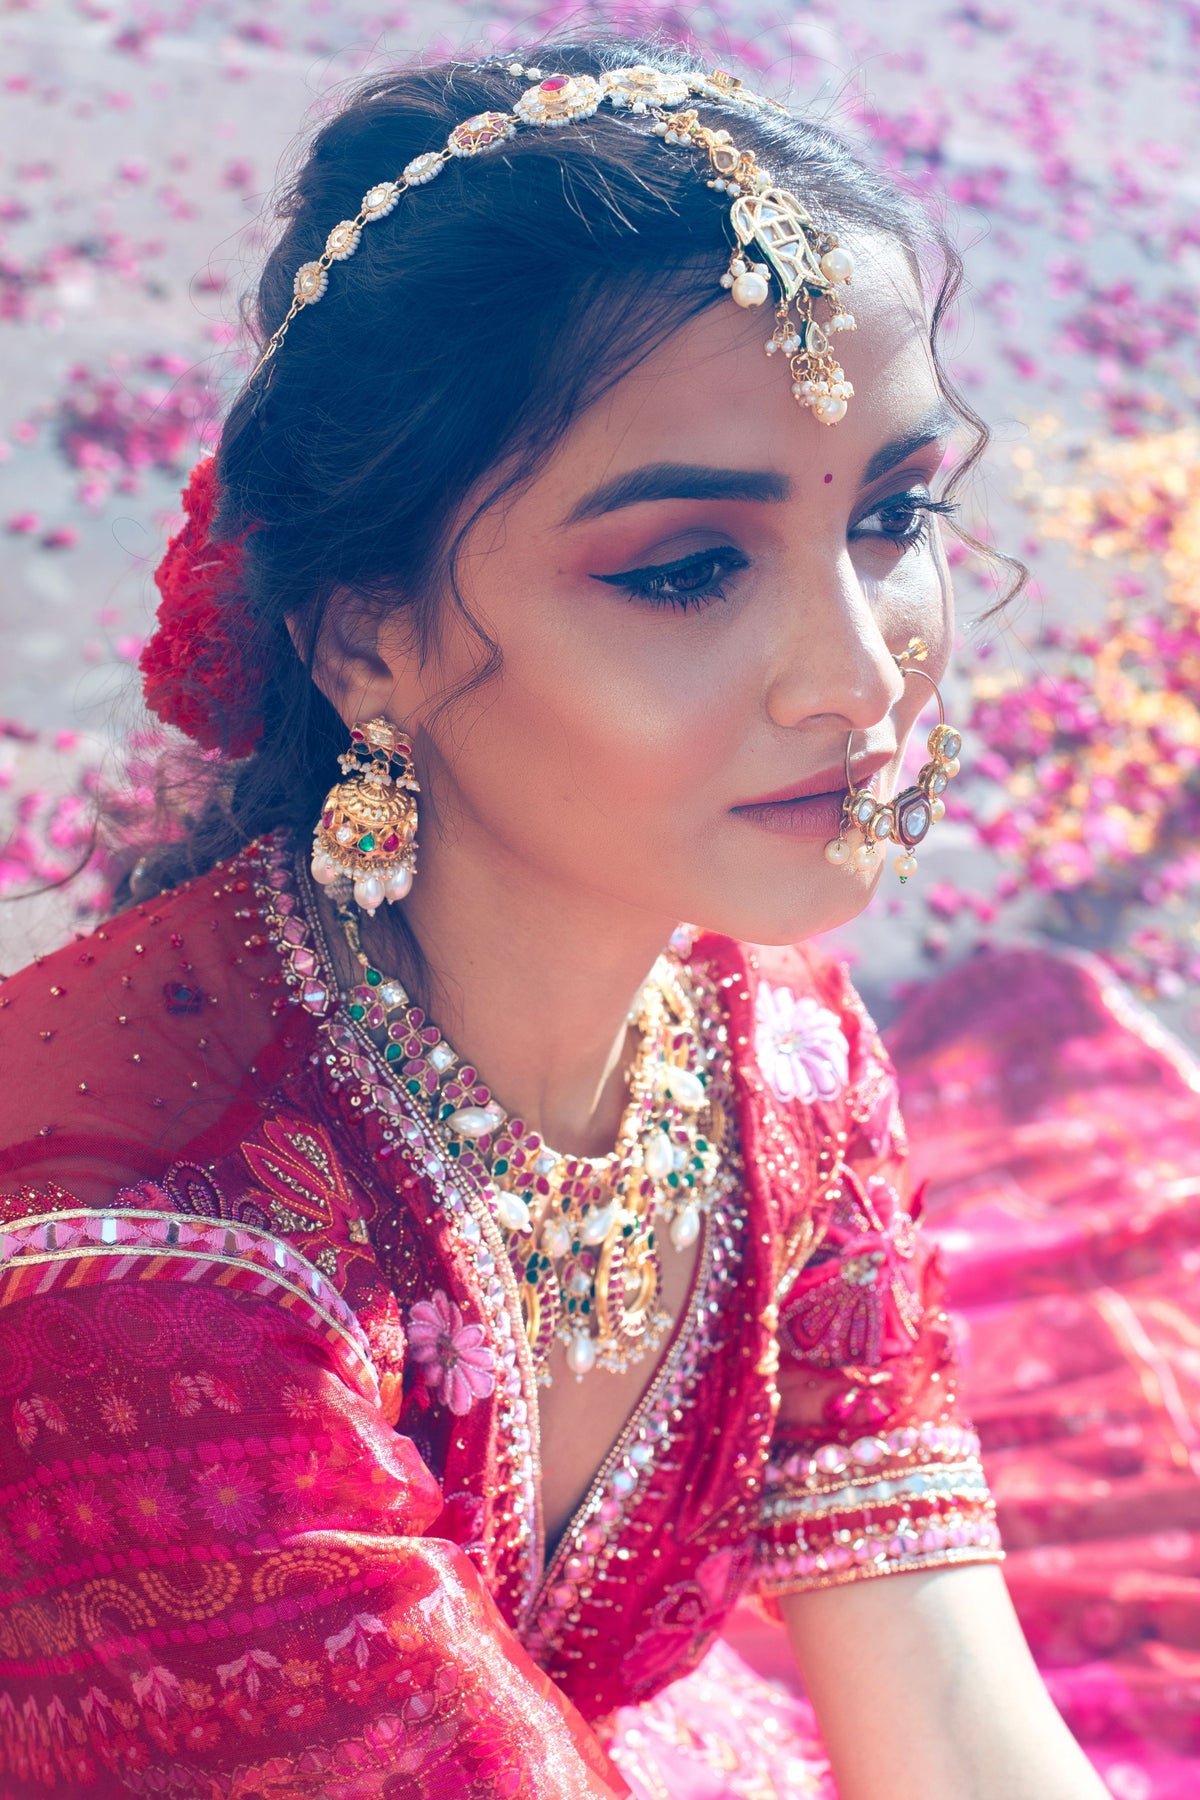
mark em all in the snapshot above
pixel 832 780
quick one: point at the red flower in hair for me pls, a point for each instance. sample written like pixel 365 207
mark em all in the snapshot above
pixel 195 668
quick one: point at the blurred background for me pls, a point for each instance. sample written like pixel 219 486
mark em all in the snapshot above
pixel 139 148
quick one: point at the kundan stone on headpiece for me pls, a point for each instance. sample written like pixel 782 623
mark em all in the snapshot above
pixel 775 237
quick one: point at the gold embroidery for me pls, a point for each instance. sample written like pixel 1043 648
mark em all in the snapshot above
pixel 283 1219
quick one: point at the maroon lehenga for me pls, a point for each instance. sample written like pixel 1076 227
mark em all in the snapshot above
pixel 269 1445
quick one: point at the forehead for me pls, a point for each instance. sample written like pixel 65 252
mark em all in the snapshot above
pixel 711 394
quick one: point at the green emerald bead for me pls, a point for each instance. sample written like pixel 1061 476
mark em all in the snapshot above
pixel 357 1011
pixel 454 1147
pixel 393 1053
pixel 413 1085
pixel 374 977
pixel 367 842
pixel 672 1180
pixel 500 1166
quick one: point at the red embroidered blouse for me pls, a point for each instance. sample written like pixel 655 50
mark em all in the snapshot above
pixel 268 1438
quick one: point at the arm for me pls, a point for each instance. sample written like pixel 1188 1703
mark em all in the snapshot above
pixel 925 1689
pixel 878 1527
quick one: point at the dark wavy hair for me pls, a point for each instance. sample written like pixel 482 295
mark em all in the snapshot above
pixel 450 355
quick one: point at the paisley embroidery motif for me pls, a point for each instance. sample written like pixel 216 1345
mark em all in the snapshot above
pixel 296 1164
pixel 855 1301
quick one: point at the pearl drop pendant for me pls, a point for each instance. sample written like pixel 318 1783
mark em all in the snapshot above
pixel 657 1156
pixel 683 1085
pixel 512 1211
pixel 685 1227
pixel 398 885
pixel 368 893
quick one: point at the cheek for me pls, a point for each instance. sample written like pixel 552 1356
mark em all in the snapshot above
pixel 910 596
pixel 620 722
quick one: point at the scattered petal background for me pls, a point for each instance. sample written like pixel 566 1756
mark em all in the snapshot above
pixel 140 147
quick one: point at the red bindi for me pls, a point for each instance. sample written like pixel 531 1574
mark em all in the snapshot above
pixel 829 478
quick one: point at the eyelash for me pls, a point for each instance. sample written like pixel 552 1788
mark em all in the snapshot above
pixel 654 584
pixel 914 500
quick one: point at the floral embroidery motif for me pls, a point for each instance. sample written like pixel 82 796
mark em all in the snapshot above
pixel 456 1361
pixel 800 1046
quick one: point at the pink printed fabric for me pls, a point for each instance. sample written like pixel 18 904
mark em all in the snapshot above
pixel 1059 1130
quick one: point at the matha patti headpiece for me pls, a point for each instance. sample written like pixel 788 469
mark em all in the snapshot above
pixel 768 222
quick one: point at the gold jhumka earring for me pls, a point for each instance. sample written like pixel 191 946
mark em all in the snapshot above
pixel 907 820
pixel 367 831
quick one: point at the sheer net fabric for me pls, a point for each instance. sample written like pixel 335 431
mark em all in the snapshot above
pixel 253 1543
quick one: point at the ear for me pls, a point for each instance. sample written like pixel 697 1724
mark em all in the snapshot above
pixel 364 660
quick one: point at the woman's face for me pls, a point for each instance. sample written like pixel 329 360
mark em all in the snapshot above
pixel 696 601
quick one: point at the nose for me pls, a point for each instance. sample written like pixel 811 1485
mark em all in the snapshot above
pixel 833 661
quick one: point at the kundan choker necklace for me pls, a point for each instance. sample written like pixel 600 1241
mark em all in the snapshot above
pixel 580 1231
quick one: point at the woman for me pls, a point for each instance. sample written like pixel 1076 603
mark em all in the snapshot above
pixel 363 1443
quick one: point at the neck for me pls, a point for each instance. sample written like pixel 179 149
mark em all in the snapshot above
pixel 537 998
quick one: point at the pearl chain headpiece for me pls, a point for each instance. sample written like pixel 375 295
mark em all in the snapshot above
pixel 768 221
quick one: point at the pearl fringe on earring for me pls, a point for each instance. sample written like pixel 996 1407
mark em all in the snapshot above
pixel 367 832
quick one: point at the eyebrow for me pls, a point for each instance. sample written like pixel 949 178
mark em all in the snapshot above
pixel 939 424
pixel 679 481
pixel 699 481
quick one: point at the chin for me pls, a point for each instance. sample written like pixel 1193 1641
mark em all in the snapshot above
pixel 815 902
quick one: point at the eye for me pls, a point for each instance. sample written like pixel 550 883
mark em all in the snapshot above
pixel 692 581
pixel 904 518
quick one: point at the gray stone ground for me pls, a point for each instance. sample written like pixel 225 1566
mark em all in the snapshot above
pixel 138 149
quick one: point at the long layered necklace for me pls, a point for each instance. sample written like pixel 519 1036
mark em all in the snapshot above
pixel 580 1231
